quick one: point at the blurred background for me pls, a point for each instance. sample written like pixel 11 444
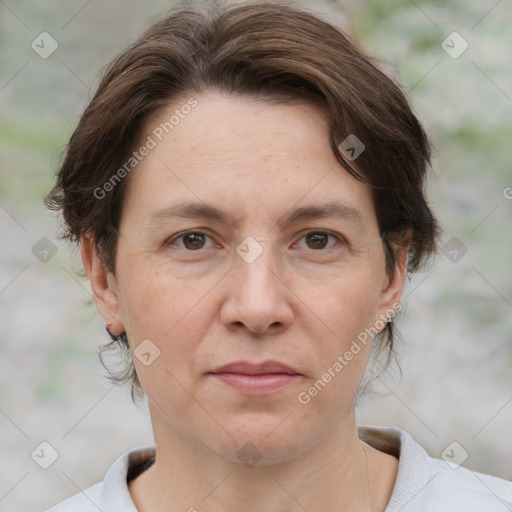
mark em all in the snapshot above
pixel 453 61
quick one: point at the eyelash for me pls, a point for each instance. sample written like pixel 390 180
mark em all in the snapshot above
pixel 175 238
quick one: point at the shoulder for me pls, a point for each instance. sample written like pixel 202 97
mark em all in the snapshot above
pixel 427 484
pixel 112 494
pixel 458 488
pixel 84 501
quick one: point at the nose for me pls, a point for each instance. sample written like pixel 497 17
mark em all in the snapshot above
pixel 258 299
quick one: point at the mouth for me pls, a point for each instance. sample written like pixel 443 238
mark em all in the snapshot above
pixel 256 379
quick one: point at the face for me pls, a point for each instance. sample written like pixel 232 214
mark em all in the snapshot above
pixel 243 240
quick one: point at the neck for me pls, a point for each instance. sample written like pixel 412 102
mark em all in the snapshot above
pixel 186 476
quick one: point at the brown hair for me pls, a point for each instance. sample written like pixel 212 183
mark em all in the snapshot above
pixel 266 50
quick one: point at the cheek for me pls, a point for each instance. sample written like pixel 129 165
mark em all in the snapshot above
pixel 340 362
pixel 174 314
pixel 347 308
pixel 153 300
pixel 346 305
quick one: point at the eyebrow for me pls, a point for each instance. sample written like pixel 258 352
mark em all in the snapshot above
pixel 203 211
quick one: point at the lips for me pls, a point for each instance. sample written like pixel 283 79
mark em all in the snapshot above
pixel 246 368
pixel 256 379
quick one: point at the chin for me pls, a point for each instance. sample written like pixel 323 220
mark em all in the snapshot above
pixel 262 442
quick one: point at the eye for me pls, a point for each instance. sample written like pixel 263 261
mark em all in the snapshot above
pixel 191 241
pixel 318 240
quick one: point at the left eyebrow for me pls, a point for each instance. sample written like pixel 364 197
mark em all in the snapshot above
pixel 201 211
pixel 333 209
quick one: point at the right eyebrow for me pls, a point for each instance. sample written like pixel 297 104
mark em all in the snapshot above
pixel 192 211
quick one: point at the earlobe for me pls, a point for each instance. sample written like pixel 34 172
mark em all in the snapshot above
pixel 102 284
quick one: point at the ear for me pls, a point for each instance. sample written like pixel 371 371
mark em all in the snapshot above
pixel 393 287
pixel 103 285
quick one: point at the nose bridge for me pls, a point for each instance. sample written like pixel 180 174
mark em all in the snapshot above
pixel 256 265
pixel 258 298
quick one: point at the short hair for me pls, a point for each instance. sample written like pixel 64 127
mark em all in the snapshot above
pixel 264 50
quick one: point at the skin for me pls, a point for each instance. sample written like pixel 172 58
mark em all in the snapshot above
pixel 204 306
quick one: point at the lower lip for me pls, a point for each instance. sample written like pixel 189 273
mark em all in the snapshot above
pixel 256 384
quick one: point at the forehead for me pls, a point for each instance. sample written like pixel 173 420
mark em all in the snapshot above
pixel 244 153
pixel 243 129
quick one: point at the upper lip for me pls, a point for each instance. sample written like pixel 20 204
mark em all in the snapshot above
pixel 248 368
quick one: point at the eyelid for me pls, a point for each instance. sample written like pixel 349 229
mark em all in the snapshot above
pixel 338 236
pixel 170 241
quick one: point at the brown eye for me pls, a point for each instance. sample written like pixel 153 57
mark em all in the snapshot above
pixel 193 241
pixel 190 241
pixel 317 240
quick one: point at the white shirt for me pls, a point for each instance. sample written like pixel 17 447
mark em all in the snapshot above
pixel 423 484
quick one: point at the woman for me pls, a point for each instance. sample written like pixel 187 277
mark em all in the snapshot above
pixel 248 193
